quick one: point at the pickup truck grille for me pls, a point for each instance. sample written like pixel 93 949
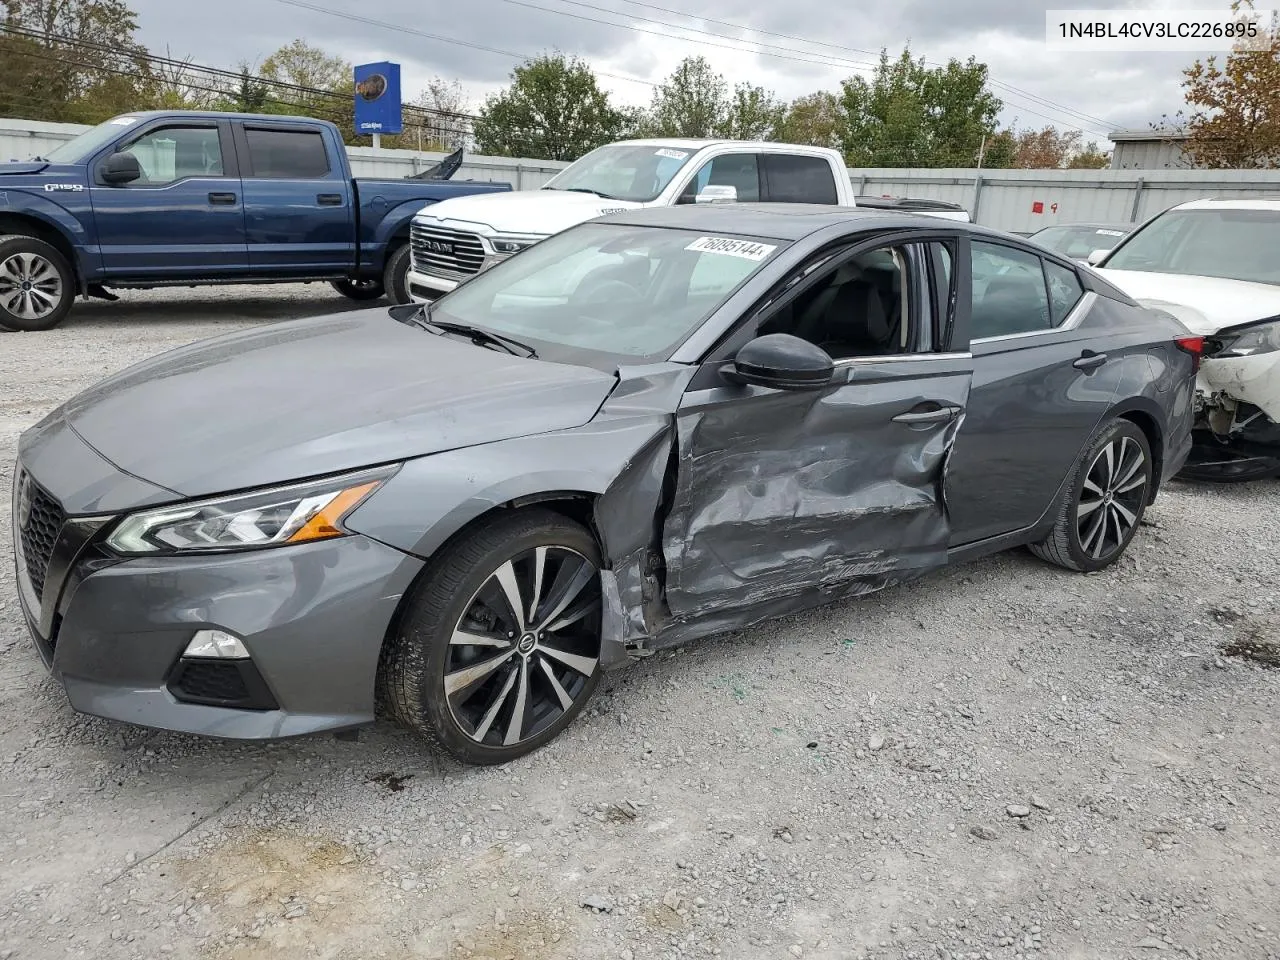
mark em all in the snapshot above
pixel 436 249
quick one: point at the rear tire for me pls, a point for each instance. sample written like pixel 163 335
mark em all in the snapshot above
pixel 480 678
pixel 395 278
pixel 1103 507
pixel 37 284
pixel 359 289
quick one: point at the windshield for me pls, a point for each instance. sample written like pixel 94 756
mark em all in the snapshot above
pixel 82 147
pixel 1232 244
pixel 1079 241
pixel 613 292
pixel 623 171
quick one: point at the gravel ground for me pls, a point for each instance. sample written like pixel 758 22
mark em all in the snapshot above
pixel 1001 761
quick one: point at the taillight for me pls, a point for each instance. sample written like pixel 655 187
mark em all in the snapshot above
pixel 1193 346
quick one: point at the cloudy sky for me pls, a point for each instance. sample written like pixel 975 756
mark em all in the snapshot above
pixel 793 48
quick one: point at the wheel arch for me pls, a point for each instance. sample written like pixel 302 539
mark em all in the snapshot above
pixel 1146 416
pixel 30 225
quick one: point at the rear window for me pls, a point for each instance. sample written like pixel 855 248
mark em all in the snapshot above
pixel 287 154
pixel 799 179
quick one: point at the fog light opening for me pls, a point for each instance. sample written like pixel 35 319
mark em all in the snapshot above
pixel 216 645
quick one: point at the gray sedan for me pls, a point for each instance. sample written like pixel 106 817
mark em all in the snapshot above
pixel 652 427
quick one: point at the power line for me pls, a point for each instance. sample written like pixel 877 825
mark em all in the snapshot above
pixel 766 50
pixel 835 46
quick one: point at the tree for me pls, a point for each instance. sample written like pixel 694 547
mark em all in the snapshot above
pixel 441 123
pixel 553 110
pixel 694 101
pixel 908 115
pixel 1047 148
pixel 1235 108
pixel 754 114
pixel 71 60
pixel 306 80
pixel 1089 157
pixel 817 120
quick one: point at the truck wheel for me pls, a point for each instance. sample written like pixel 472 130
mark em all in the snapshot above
pixel 37 285
pixel 395 278
pixel 359 289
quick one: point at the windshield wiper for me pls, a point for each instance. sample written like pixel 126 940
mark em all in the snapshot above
pixel 602 196
pixel 477 335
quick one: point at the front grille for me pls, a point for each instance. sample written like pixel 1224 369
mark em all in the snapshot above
pixel 436 249
pixel 39 534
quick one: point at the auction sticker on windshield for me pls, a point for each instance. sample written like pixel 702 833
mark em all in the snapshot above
pixel 747 249
pixel 670 154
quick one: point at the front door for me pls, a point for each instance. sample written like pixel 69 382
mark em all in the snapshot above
pixel 184 217
pixel 781 493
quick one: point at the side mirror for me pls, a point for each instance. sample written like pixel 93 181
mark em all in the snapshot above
pixel 717 193
pixel 1096 257
pixel 121 168
pixel 782 362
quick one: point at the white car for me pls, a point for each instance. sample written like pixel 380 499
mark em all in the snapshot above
pixel 1215 265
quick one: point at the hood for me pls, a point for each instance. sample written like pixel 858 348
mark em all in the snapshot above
pixel 1205 305
pixel 527 211
pixel 14 167
pixel 305 398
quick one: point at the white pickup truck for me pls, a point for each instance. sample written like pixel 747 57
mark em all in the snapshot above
pixel 455 239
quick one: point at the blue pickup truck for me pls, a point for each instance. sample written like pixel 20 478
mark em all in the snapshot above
pixel 181 198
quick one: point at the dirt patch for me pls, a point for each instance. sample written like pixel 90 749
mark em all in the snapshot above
pixel 1257 649
pixel 393 782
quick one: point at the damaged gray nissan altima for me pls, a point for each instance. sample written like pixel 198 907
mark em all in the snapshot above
pixel 651 427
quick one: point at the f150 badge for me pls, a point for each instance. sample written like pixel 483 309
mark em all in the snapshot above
pixel 56 187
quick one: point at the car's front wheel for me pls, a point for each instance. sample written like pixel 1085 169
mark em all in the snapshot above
pixel 359 289
pixel 37 285
pixel 498 647
pixel 1101 510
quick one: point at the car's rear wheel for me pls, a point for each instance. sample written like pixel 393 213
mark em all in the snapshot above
pixel 1102 509
pixel 37 285
pixel 498 647
pixel 359 289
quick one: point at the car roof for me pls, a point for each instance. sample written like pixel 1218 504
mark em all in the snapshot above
pixel 1232 203
pixel 698 144
pixel 218 115
pixel 1090 225
pixel 782 221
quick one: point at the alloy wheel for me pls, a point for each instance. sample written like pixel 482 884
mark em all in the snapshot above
pixel 30 286
pixel 525 647
pixel 1112 497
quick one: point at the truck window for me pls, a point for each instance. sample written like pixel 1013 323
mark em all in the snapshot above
pixel 286 154
pixel 738 170
pixel 173 153
pixel 799 179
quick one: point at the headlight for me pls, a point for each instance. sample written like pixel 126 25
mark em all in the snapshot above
pixel 300 513
pixel 511 245
pixel 1263 338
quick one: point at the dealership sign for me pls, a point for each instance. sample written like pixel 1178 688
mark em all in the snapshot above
pixel 378 98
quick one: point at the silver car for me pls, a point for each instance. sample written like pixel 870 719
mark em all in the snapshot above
pixel 649 428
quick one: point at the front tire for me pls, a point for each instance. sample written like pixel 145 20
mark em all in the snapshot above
pixel 37 285
pixel 395 278
pixel 498 647
pixel 1102 509
pixel 359 289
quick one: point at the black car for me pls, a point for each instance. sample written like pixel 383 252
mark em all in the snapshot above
pixel 651 427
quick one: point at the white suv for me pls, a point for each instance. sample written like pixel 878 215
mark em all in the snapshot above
pixel 1215 265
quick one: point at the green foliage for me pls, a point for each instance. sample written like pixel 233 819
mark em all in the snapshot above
pixel 909 115
pixel 553 110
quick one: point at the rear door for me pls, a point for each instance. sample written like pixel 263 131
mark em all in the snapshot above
pixel 185 216
pixel 1039 388
pixel 297 201
pixel 836 489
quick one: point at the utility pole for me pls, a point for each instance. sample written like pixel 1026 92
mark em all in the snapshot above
pixel 981 150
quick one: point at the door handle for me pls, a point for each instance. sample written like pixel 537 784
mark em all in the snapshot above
pixel 329 199
pixel 918 417
pixel 222 199
pixel 1090 361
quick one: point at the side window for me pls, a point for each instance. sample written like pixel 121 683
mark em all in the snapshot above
pixel 858 308
pixel 796 179
pixel 286 154
pixel 738 170
pixel 1064 290
pixel 944 317
pixel 1008 292
pixel 173 153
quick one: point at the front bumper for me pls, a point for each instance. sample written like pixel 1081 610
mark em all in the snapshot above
pixel 425 287
pixel 313 618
